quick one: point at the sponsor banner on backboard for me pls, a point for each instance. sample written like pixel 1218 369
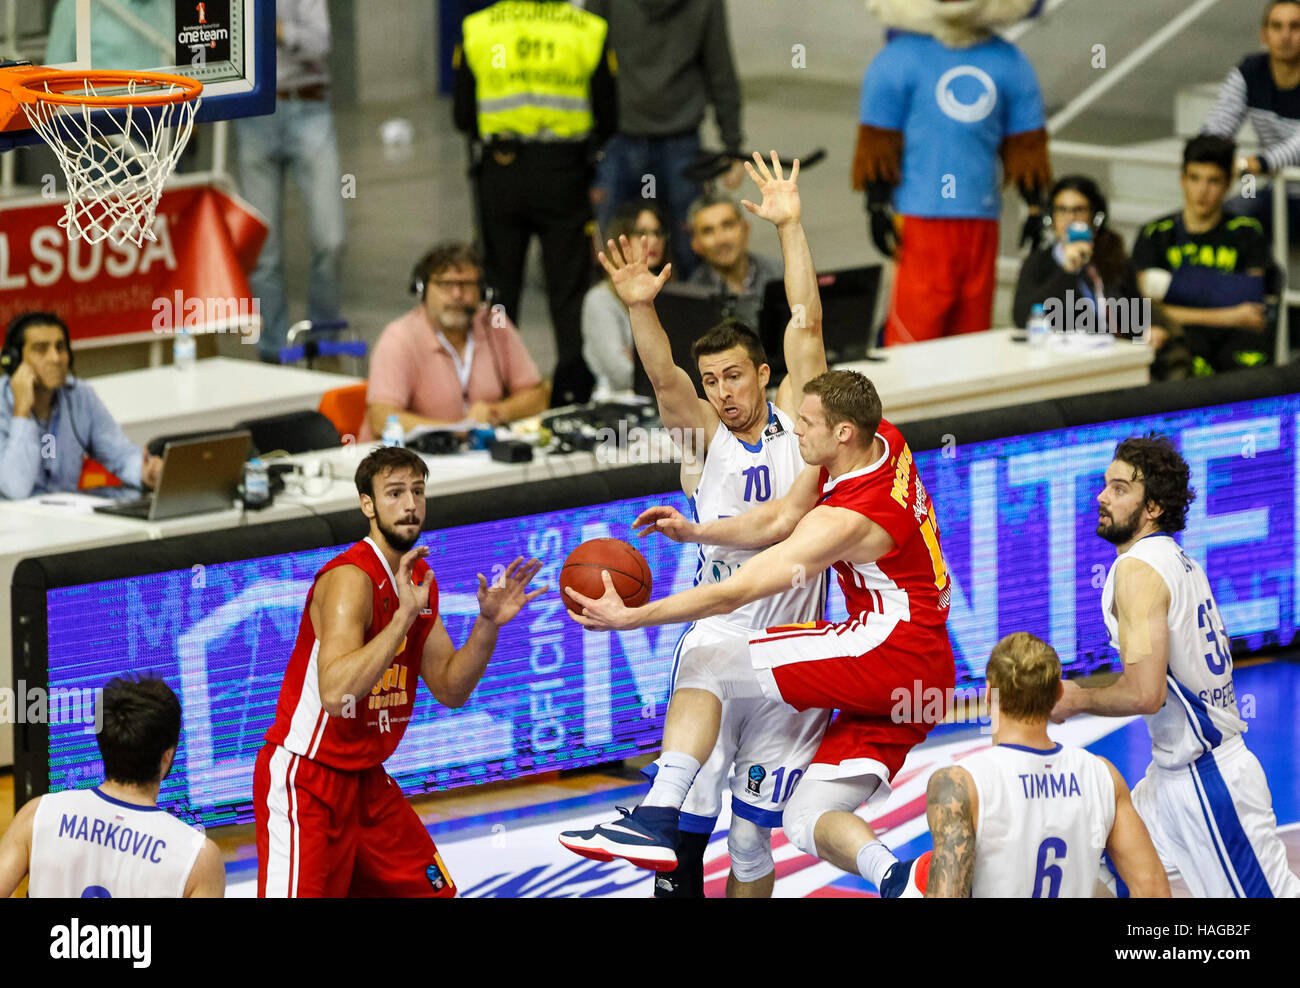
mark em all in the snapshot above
pixel 202 31
pixel 205 243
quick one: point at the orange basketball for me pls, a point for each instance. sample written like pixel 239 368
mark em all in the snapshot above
pixel 627 568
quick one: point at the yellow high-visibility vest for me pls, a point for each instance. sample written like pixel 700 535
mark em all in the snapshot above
pixel 533 63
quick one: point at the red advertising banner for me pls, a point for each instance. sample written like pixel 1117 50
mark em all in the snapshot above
pixel 195 272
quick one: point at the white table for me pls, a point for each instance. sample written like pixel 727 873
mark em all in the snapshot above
pixel 988 370
pixel 918 381
pixel 215 394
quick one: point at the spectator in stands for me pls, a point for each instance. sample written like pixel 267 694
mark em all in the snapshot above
pixel 1265 88
pixel 1092 277
pixel 720 236
pixel 451 358
pixel 606 326
pixel 1208 268
pixel 50 421
pixel 674 59
pixel 296 140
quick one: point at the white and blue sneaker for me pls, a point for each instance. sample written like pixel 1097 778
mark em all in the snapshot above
pixel 645 837
pixel 906 879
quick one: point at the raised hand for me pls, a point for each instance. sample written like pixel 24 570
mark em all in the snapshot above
pixel 628 272
pixel 506 596
pixel 780 204
pixel 412 597
pixel 665 520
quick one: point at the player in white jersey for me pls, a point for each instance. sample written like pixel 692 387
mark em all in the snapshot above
pixel 114 841
pixel 744 453
pixel 1028 818
pixel 1204 798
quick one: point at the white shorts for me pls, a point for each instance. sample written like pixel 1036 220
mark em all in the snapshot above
pixel 1212 822
pixel 768 742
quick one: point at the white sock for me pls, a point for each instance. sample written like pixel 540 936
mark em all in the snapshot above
pixel 673 780
pixel 874 859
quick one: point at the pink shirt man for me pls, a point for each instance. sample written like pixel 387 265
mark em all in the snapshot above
pixel 415 368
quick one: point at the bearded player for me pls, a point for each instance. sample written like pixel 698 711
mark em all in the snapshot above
pixel 330 821
pixel 860 507
pixel 1204 798
pixel 750 456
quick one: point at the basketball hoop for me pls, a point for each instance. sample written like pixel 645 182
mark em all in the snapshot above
pixel 115 163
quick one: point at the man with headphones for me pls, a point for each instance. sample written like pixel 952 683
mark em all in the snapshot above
pixel 50 422
pixel 451 357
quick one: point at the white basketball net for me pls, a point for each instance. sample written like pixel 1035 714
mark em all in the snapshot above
pixel 115 165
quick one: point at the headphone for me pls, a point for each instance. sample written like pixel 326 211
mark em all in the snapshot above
pixel 11 354
pixel 450 255
pixel 1090 190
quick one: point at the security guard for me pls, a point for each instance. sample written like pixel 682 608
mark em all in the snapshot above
pixel 535 93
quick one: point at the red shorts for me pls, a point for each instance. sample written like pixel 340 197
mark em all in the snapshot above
pixel 325 833
pixel 891 682
pixel 946 279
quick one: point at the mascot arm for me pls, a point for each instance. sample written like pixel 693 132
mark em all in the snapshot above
pixel 1025 163
pixel 878 158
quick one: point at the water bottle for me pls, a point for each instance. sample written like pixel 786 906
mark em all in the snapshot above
pixel 394 434
pixel 257 483
pixel 184 350
pixel 1038 328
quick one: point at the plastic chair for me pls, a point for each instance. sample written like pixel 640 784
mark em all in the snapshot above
pixel 346 408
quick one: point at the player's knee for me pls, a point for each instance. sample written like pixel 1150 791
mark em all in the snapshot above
pixel 750 847
pixel 799 822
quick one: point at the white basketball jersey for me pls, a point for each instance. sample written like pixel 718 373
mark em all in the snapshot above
pixel 88 845
pixel 1044 818
pixel 1200 710
pixel 738 477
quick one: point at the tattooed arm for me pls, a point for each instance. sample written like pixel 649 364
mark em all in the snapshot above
pixel 951 806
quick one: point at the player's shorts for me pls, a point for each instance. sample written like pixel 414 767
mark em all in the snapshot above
pixel 1212 822
pixel 768 744
pixel 891 681
pixel 325 833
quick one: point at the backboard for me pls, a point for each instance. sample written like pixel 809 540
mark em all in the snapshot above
pixel 228 45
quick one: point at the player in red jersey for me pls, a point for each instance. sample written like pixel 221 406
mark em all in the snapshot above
pixel 861 508
pixel 330 821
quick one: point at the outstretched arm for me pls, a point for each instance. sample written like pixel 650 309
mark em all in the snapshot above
pixel 805 354
pixel 823 536
pixel 951 808
pixel 1130 848
pixel 679 405
pixel 452 673
pixel 760 526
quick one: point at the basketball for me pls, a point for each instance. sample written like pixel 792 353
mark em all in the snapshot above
pixel 627 568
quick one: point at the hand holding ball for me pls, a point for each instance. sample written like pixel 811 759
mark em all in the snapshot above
pixel 627 568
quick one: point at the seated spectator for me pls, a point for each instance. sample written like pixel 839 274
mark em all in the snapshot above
pixel 451 358
pixel 720 236
pixel 50 421
pixel 1089 277
pixel 1208 268
pixel 606 326
pixel 1265 88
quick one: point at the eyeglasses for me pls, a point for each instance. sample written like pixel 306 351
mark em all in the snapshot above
pixel 1072 210
pixel 449 285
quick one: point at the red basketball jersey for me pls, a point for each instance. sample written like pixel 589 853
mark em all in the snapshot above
pixel 378 719
pixel 911 582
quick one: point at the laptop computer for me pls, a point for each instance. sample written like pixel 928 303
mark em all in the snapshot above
pixel 198 475
pixel 848 308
